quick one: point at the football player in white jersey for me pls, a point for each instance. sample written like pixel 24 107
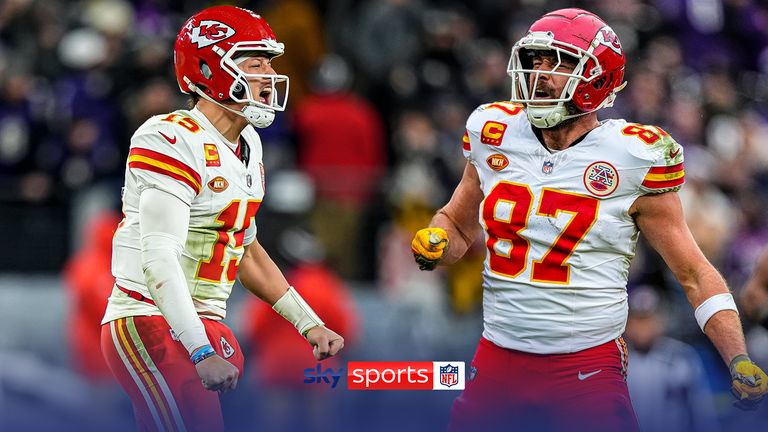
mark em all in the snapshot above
pixel 194 181
pixel 560 198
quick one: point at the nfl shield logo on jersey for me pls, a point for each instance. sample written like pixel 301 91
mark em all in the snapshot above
pixel 449 375
pixel 226 348
pixel 547 167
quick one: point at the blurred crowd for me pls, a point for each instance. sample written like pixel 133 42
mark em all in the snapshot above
pixel 369 146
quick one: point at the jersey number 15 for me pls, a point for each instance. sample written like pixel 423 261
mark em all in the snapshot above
pixel 229 233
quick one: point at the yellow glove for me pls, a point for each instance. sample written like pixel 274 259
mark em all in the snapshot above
pixel 428 247
pixel 749 382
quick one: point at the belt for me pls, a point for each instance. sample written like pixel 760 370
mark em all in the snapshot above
pixel 136 296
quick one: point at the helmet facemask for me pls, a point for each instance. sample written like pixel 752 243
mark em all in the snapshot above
pixel 260 109
pixel 547 113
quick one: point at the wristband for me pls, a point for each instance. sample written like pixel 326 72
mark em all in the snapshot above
pixel 738 358
pixel 296 310
pixel 713 305
pixel 202 354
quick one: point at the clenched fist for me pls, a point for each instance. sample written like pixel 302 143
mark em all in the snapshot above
pixel 325 342
pixel 217 374
pixel 749 382
pixel 429 246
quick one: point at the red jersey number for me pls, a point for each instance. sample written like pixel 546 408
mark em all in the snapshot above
pixel 506 211
pixel 212 269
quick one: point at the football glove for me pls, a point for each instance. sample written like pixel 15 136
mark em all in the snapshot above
pixel 749 383
pixel 428 247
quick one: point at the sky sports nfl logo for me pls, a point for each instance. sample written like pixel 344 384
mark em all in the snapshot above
pixel 449 375
pixel 406 375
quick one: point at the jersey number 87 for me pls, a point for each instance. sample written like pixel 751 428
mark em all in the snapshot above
pixel 505 215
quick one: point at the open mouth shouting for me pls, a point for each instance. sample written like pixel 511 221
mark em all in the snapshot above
pixel 543 95
pixel 265 95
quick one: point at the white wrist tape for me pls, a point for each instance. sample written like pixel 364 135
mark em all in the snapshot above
pixel 294 309
pixel 713 305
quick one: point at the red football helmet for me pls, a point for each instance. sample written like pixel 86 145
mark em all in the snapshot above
pixel 206 54
pixel 590 43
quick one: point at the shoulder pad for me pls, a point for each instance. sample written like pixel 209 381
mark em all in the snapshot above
pixel 493 111
pixel 177 121
pixel 652 143
pixel 177 129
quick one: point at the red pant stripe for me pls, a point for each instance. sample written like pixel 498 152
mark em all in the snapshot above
pixel 148 380
pixel 143 356
pixel 113 329
pixel 162 386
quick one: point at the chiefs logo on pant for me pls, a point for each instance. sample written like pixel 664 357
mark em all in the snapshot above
pixel 226 348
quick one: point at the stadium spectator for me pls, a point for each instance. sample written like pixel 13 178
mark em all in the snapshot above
pixel 346 159
pixel 88 276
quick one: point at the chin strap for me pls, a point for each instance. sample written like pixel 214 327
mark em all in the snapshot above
pixel 256 116
pixel 545 117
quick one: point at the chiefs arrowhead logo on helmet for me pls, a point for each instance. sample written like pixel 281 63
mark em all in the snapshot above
pixel 205 54
pixel 209 32
pixel 606 36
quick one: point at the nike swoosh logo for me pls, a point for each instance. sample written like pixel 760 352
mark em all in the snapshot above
pixel 672 154
pixel 582 376
pixel 170 140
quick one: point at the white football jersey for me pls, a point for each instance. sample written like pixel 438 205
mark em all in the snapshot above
pixel 557 228
pixel 183 154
